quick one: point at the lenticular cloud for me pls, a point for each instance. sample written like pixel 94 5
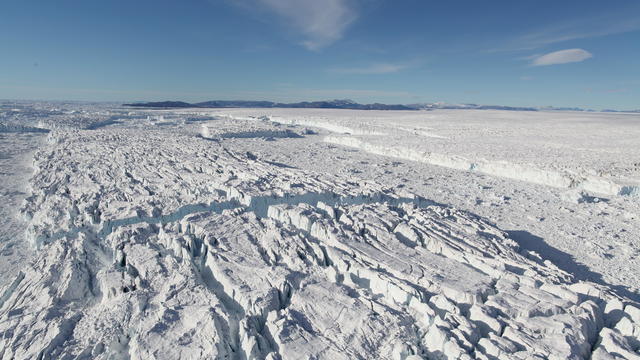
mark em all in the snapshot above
pixel 562 57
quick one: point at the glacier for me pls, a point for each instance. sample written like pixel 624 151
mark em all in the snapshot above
pixel 316 234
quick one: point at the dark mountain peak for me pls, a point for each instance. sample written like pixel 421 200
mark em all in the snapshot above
pixel 162 104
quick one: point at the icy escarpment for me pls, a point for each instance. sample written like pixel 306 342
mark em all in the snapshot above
pixel 559 179
pixel 179 248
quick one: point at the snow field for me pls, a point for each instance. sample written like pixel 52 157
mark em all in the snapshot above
pixel 183 247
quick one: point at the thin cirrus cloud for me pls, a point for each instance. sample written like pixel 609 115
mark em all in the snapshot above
pixel 604 25
pixel 580 30
pixel 319 22
pixel 371 69
pixel 562 57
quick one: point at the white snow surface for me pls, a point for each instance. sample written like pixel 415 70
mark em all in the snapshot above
pixel 318 234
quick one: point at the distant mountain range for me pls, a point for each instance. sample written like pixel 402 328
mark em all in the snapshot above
pixel 346 104
pixel 331 104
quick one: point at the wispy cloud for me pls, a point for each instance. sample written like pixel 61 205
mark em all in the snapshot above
pixel 319 22
pixel 385 68
pixel 607 91
pixel 562 57
pixel 574 30
pixel 604 25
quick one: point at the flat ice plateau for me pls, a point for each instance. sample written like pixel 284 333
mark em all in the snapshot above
pixel 318 234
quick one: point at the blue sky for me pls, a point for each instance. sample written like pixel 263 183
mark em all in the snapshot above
pixel 529 53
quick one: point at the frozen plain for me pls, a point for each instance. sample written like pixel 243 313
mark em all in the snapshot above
pixel 280 233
